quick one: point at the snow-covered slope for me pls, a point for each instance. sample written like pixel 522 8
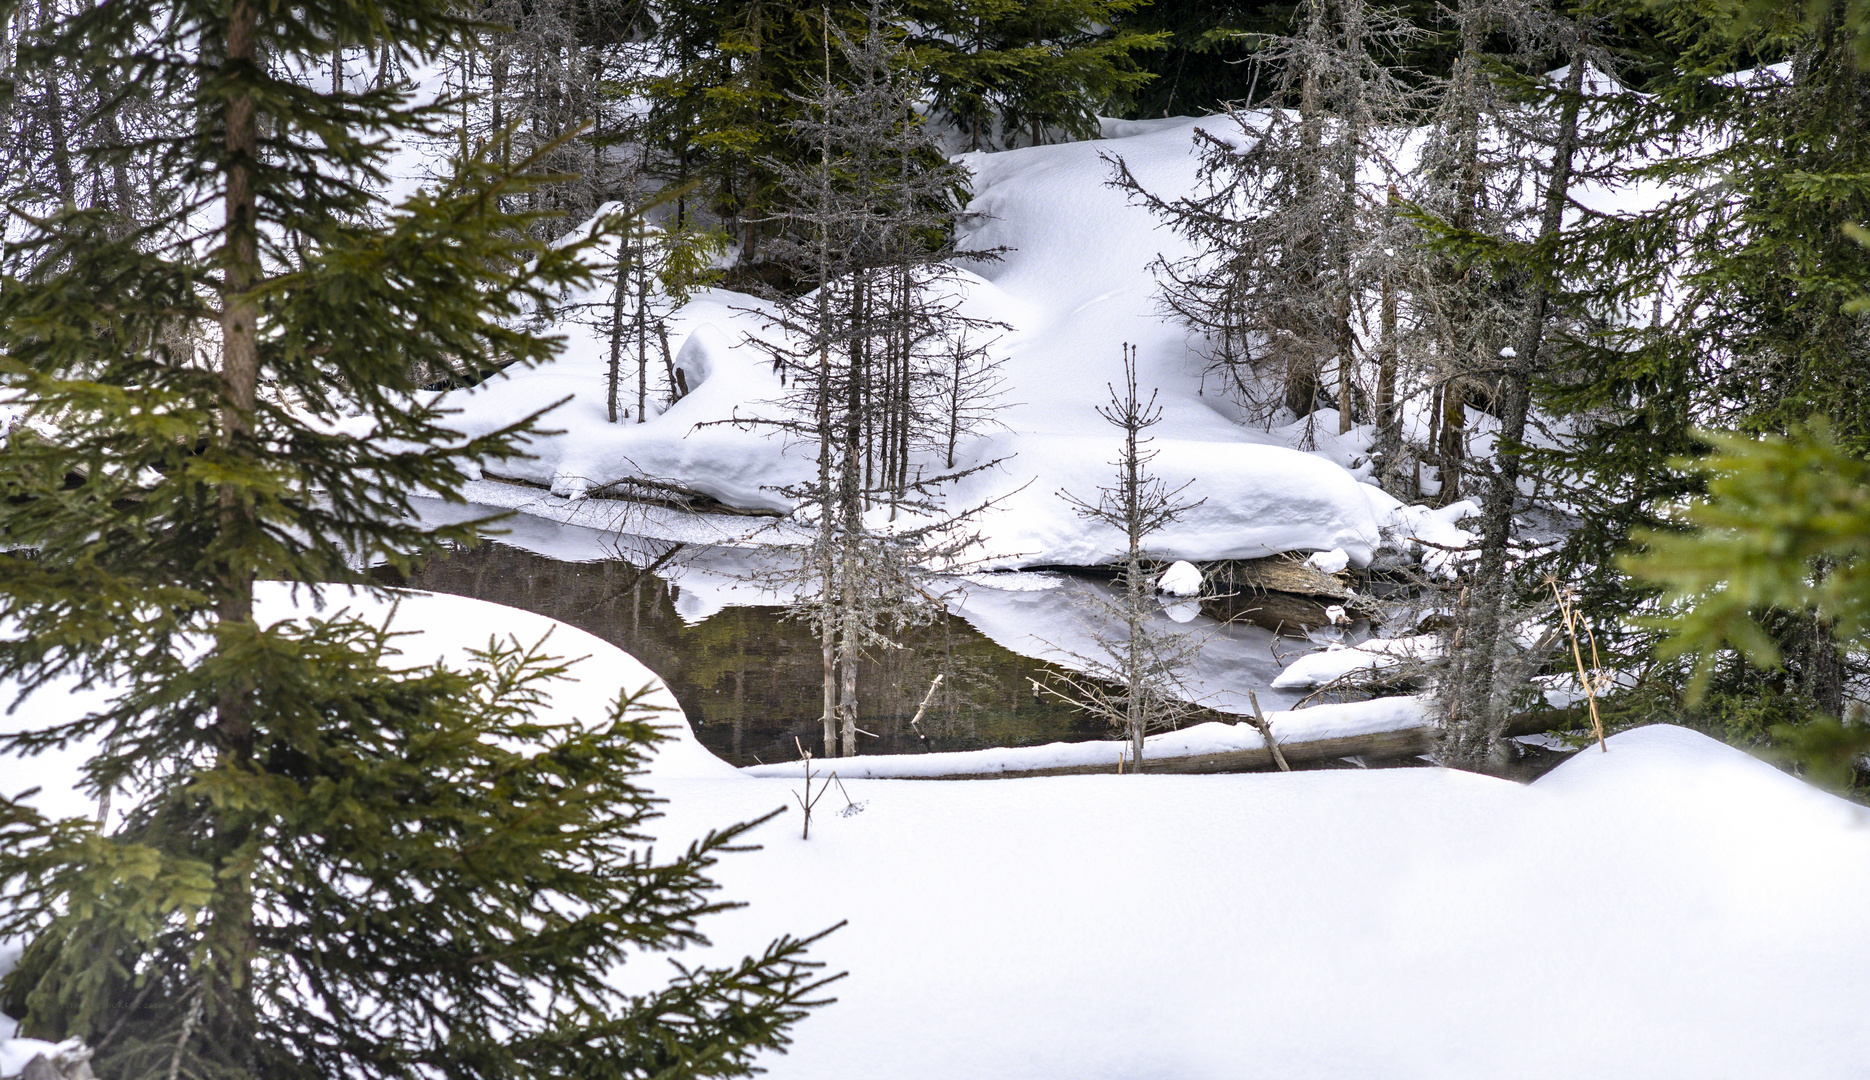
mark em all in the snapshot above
pixel 1669 909
pixel 1074 285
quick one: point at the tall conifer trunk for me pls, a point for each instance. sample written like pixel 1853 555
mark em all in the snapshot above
pixel 224 1004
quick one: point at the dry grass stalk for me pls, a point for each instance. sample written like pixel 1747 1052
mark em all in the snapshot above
pixel 1570 615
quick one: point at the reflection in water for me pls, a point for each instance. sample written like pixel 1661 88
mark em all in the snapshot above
pixel 749 679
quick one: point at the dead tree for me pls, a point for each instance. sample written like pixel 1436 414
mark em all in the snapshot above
pixel 870 223
pixel 1489 660
pixel 1282 221
pixel 1475 169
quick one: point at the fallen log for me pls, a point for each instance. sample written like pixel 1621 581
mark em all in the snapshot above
pixel 1380 745
pixel 1385 745
pixel 1282 593
pixel 653 493
pixel 1277 573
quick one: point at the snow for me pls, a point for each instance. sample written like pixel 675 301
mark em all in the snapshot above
pixel 1180 579
pixel 16 1053
pixel 1073 285
pixel 1337 660
pixel 1671 908
pixel 1059 623
pixel 1330 562
pixel 1404 923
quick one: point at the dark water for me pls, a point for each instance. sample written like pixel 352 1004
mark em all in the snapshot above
pixel 750 680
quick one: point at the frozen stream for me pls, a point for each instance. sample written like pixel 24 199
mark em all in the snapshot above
pixel 708 618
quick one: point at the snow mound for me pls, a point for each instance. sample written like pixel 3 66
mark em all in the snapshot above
pixel 1330 562
pixel 434 626
pixel 1073 285
pixel 1663 769
pixel 1180 579
pixel 1337 661
pixel 1415 923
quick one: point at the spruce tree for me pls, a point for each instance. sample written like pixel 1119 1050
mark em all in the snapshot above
pixel 1784 527
pixel 1208 56
pixel 1755 330
pixel 1013 71
pixel 334 865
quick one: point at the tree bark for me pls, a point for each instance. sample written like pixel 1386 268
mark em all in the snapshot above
pixel 1478 713
pixel 227 981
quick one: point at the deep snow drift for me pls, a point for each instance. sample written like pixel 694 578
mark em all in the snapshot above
pixel 1074 286
pixel 1671 908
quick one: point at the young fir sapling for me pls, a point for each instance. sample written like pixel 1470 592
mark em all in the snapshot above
pixel 1133 678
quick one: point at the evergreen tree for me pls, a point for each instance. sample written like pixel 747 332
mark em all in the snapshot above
pixel 1784 527
pixel 334 867
pixel 1754 330
pixel 1208 58
pixel 723 112
pixel 1006 71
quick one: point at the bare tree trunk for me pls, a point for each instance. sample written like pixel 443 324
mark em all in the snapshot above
pixel 57 132
pixel 122 193
pixel 1465 90
pixel 1451 444
pixel 1478 702
pixel 1349 155
pixel 641 328
pixel 1388 415
pixel 1302 380
pixel 614 376
pixel 240 314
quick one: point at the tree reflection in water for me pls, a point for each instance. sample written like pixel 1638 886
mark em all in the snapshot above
pixel 748 678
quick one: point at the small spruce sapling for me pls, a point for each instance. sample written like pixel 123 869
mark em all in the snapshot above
pixel 1133 679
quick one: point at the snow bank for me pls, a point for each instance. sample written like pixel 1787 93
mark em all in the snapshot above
pixel 1073 285
pixel 1419 923
pixel 1214 737
pixel 1337 661
pixel 1688 911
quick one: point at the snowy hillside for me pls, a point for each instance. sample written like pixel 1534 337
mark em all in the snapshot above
pixel 1073 284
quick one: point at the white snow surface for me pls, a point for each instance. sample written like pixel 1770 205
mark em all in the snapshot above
pixel 1337 661
pixel 1330 562
pixel 1180 579
pixel 1074 286
pixel 1213 737
pixel 1670 909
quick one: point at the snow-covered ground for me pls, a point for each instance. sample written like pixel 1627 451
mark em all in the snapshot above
pixel 1074 285
pixel 1671 908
